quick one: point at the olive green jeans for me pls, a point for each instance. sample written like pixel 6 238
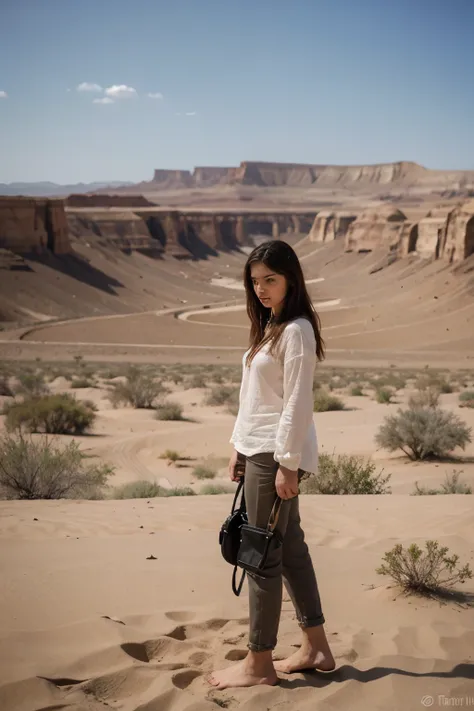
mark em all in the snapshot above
pixel 291 564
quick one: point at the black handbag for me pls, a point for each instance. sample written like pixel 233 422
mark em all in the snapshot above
pixel 257 543
pixel 229 535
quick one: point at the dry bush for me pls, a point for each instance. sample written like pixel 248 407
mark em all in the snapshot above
pixel 83 382
pixel 169 411
pixel 5 389
pixel 388 380
pixel 196 381
pixel 466 399
pixel 203 472
pixel 38 469
pixel 325 402
pixel 383 396
pixel 141 489
pixel 356 391
pixel 428 397
pixel 140 390
pixel 52 414
pixel 222 395
pixel 31 385
pixel 451 485
pixel 345 474
pixel 213 489
pixel 171 455
pixel 423 432
pixel 434 381
pixel 426 573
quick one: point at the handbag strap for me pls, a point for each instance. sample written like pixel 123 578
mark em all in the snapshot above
pixel 240 488
pixel 274 514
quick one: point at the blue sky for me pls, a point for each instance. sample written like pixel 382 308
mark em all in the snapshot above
pixel 317 81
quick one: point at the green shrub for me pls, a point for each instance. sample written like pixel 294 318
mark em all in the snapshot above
pixel 429 397
pixel 423 432
pixel 141 489
pixel 169 411
pixel 38 469
pixel 202 472
pixel 213 489
pixel 344 474
pixel 140 390
pixel 422 572
pixel 466 399
pixel 383 396
pixel 31 385
pixel 325 402
pixel 451 485
pixel 52 414
pixel 356 391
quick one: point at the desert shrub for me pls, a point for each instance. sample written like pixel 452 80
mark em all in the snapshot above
pixel 31 385
pixel 383 396
pixel 51 414
pixel 325 402
pixel 181 491
pixel 171 455
pixel 214 489
pixel 466 399
pixel 429 397
pixel 203 472
pixel 39 469
pixel 451 485
pixel 344 474
pixel 424 572
pixel 140 390
pixel 356 391
pixel 141 489
pixel 434 381
pixel 169 411
pixel 196 381
pixel 423 432
pixel 5 389
pixel 222 395
pixel 388 380
pixel 82 382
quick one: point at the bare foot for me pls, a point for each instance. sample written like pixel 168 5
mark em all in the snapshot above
pixel 241 674
pixel 306 658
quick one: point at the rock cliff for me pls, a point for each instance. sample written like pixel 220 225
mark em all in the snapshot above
pixel 32 225
pixel 108 200
pixel 404 174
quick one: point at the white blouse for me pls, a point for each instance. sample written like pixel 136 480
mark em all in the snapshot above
pixel 276 401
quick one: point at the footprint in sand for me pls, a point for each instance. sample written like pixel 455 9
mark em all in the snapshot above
pixel 183 679
pixel 235 655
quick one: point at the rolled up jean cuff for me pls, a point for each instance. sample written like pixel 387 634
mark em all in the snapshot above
pixel 307 622
pixel 260 647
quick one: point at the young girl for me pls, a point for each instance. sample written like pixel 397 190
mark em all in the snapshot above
pixel 274 435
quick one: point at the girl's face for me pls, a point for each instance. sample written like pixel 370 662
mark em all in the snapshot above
pixel 269 286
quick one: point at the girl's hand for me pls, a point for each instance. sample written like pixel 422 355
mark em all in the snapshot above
pixel 236 467
pixel 286 483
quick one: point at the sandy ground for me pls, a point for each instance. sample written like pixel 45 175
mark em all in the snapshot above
pixel 89 622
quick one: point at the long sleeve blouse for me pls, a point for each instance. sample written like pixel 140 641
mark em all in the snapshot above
pixel 276 401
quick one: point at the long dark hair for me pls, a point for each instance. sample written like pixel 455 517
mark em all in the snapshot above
pixel 281 259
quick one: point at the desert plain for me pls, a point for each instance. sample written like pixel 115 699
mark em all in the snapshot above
pixel 126 603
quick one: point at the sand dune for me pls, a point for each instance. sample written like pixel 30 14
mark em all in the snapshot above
pixel 88 621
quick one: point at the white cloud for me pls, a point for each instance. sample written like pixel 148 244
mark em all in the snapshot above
pixel 120 91
pixel 191 113
pixel 104 100
pixel 155 95
pixel 87 86
pixel 3 95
